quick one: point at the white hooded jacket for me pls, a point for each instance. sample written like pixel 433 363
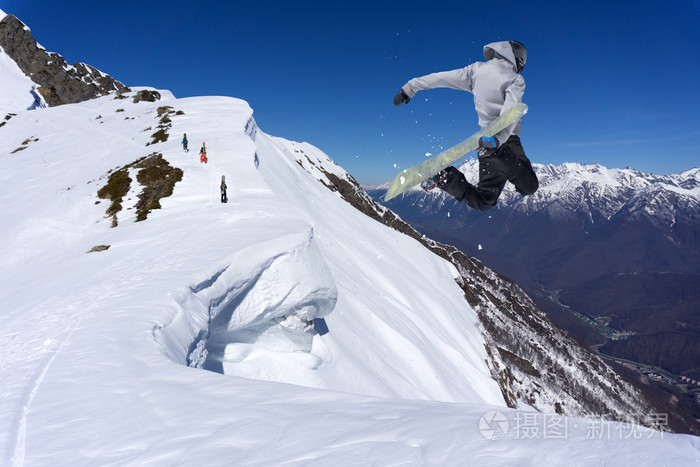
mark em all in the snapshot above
pixel 495 84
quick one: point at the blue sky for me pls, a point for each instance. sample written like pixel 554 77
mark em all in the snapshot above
pixel 612 82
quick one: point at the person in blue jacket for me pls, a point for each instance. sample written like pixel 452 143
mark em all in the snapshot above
pixel 184 143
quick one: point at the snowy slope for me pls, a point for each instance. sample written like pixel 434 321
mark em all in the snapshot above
pixel 101 352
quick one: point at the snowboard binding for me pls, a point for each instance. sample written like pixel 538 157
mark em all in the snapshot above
pixel 434 181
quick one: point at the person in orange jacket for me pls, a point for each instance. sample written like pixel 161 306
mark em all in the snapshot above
pixel 203 153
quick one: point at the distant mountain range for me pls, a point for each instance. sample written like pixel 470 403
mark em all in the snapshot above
pixel 607 253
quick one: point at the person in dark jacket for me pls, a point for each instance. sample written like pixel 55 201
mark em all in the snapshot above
pixel 497 85
pixel 222 187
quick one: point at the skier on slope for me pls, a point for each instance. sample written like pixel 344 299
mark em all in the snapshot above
pixel 203 153
pixel 497 85
pixel 184 143
pixel 224 198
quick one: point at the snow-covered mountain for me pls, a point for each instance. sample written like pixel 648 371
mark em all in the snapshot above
pixel 638 222
pixel 584 223
pixel 145 322
pixel 597 191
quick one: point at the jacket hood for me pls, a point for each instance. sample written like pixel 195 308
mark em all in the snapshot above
pixel 501 49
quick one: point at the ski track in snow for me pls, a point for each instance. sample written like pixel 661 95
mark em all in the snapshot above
pixel 27 361
pixel 17 433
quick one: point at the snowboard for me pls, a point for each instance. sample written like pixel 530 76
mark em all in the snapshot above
pixel 413 176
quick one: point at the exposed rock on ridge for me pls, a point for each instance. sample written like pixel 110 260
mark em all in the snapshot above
pixel 59 83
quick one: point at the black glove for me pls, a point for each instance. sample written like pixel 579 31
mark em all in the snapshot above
pixel 487 145
pixel 401 98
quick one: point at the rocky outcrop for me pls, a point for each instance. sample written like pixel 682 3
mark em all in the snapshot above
pixel 59 83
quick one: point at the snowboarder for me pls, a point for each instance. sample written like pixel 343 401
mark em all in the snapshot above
pixel 184 143
pixel 203 153
pixel 224 198
pixel 496 85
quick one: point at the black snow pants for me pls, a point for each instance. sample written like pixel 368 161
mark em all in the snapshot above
pixel 507 163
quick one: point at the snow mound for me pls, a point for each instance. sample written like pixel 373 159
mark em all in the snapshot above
pixel 261 305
